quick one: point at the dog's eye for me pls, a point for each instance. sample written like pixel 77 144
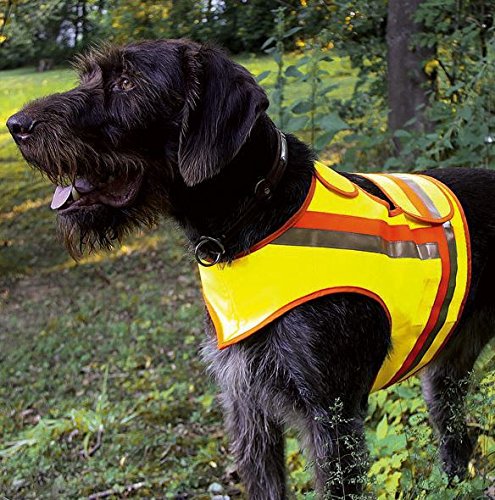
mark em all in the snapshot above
pixel 123 85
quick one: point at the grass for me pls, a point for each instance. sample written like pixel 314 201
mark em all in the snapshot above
pixel 101 386
pixel 97 354
pixel 99 351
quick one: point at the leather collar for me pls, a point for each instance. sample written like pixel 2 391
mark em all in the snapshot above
pixel 209 250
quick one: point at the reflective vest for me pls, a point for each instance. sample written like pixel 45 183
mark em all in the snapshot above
pixel 413 259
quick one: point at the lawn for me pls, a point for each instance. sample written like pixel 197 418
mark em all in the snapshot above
pixel 102 392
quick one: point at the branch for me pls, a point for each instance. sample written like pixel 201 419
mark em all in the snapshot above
pixel 89 453
pixel 114 491
pixel 449 76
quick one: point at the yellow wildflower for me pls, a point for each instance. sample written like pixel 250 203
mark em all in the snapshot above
pixel 431 66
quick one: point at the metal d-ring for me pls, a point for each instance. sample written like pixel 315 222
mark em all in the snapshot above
pixel 207 240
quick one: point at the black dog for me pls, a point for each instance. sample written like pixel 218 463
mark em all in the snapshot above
pixel 177 129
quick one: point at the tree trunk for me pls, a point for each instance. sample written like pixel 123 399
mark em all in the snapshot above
pixel 84 21
pixel 408 84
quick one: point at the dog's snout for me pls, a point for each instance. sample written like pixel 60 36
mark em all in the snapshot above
pixel 20 125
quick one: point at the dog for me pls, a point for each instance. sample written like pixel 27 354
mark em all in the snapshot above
pixel 174 128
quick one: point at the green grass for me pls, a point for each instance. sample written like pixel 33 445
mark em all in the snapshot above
pixel 24 196
pixel 103 350
pixel 340 71
pixel 101 386
pixel 111 342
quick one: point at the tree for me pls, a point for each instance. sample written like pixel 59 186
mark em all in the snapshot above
pixel 54 29
pixel 409 86
pixel 132 20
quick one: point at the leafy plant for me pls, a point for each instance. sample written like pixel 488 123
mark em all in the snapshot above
pixel 275 46
pixel 83 423
pixel 310 115
pixel 461 111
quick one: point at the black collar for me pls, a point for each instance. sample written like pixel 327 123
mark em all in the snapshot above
pixel 209 249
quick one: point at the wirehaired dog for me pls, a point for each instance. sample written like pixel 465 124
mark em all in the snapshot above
pixel 177 129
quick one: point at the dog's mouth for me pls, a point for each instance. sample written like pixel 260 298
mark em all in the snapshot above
pixel 117 192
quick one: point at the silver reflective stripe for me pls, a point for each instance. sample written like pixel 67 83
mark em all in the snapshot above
pixel 449 234
pixel 344 240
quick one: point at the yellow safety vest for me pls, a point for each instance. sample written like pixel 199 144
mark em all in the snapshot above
pixel 413 259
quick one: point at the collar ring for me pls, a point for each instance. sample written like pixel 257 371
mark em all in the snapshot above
pixel 202 253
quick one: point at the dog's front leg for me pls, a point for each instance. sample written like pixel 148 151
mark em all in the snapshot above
pixel 257 443
pixel 337 447
pixel 249 395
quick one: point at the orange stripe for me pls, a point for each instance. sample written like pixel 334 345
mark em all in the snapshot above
pixel 292 305
pixel 468 249
pixel 412 195
pixel 435 311
pixel 361 225
pixel 443 249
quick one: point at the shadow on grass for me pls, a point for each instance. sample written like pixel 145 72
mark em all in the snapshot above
pixel 112 342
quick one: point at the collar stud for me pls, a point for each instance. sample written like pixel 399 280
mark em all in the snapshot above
pixel 263 190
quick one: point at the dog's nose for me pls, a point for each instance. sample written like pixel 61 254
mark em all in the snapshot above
pixel 20 125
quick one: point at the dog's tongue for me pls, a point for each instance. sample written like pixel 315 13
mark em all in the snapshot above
pixel 60 196
pixel 62 193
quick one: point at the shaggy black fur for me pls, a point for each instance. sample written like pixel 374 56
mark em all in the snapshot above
pixel 177 129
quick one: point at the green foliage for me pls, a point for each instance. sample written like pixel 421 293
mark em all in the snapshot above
pixel 82 422
pixel 404 447
pixel 247 23
pixel 275 46
pixel 55 29
pixel 350 459
pixel 143 19
pixel 461 111
pixel 51 29
pixel 311 115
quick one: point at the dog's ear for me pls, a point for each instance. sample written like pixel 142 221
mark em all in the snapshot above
pixel 222 104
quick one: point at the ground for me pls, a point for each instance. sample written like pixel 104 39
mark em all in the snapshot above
pixel 102 392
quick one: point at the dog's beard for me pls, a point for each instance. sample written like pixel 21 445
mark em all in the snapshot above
pixel 100 228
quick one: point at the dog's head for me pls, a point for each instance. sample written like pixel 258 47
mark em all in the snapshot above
pixel 144 119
